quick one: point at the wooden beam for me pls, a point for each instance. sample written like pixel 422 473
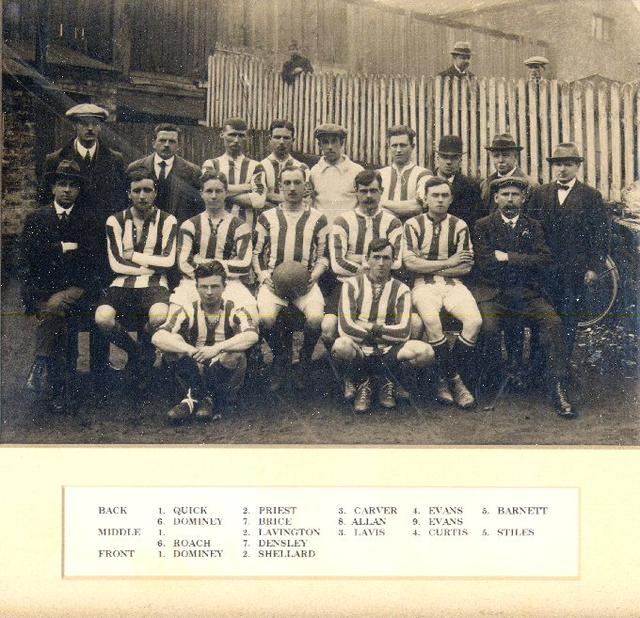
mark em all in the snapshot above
pixel 121 36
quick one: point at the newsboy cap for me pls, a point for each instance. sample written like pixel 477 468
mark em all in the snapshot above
pixel 69 170
pixel 509 181
pixel 329 129
pixel 565 152
pixel 461 47
pixel 536 61
pixel 503 141
pixel 450 145
pixel 87 109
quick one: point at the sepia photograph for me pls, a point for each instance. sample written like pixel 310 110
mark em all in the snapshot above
pixel 339 222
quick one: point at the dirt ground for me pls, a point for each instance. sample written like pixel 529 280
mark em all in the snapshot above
pixel 605 389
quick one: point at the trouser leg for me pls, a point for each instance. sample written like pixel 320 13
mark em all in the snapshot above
pixel 189 378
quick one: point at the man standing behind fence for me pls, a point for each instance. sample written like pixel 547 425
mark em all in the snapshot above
pixel 461 55
pixel 244 196
pixel 467 203
pixel 400 179
pixel 281 134
pixel 176 178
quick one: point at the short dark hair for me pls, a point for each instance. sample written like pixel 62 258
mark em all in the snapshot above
pixel 366 177
pixel 141 173
pixel 235 122
pixel 401 129
pixel 435 181
pixel 210 269
pixel 213 175
pixel 166 126
pixel 281 123
pixel 380 244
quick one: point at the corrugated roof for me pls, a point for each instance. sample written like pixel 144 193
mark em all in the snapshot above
pixel 444 7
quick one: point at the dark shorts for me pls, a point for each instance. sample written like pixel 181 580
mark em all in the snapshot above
pixel 134 302
pixel 332 301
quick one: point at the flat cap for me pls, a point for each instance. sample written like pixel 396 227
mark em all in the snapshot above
pixel 565 152
pixel 509 181
pixel 461 47
pixel 330 129
pixel 536 61
pixel 87 109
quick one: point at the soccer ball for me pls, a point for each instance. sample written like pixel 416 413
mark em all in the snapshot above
pixel 290 279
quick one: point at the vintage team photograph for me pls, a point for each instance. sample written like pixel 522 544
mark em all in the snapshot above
pixel 325 222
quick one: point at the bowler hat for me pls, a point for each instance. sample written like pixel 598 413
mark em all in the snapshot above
pixel 87 109
pixel 509 181
pixel 504 141
pixel 450 145
pixel 565 152
pixel 461 47
pixel 329 129
pixel 69 170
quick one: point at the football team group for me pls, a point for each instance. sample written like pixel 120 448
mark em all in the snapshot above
pixel 208 262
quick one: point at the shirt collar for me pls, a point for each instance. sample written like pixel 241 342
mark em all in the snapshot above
pixel 447 178
pixel 400 171
pixel 361 213
pixel 82 151
pixel 510 221
pixel 275 159
pixel 342 165
pixel 62 211
pixel 570 184
pixel 157 159
pixel 237 161
pixel 426 214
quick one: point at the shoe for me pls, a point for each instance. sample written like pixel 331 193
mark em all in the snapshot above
pixel 349 389
pixel 362 401
pixel 561 403
pixel 461 394
pixel 443 394
pixel 386 396
pixel 402 392
pixel 38 375
pixel 279 370
pixel 206 411
pixel 180 411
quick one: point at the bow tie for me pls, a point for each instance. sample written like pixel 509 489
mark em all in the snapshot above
pixel 563 187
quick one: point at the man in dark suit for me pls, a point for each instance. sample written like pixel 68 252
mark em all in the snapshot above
pixel 104 192
pixel 467 203
pixel 511 256
pixel 58 275
pixel 504 153
pixel 176 178
pixel 576 226
pixel 461 55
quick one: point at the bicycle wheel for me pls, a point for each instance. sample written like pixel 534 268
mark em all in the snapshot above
pixel 600 297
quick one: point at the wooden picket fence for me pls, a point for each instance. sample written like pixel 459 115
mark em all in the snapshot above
pixel 602 119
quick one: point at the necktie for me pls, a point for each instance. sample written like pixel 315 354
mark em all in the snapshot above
pixel 163 171
pixel 64 217
pixel 563 187
pixel 87 159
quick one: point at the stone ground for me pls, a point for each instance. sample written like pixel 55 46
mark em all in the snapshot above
pixel 605 389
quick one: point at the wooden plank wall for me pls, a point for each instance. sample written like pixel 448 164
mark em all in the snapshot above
pixel 603 120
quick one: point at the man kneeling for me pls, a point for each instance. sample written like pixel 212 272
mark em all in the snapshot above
pixel 207 341
pixel 374 326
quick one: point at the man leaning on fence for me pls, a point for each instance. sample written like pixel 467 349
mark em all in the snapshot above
pixel 461 59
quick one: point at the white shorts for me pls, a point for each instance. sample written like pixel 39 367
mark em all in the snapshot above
pixel 311 303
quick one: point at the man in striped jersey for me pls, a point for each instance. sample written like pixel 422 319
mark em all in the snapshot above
pixel 206 342
pixel 215 235
pixel 375 325
pixel 400 179
pixel 281 134
pixel 246 195
pixel 290 232
pixel 141 245
pixel 438 249
pixel 351 234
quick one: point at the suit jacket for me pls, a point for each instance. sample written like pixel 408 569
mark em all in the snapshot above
pixel 44 268
pixel 487 193
pixel 521 276
pixel 577 232
pixel 467 202
pixel 453 72
pixel 180 196
pixel 106 189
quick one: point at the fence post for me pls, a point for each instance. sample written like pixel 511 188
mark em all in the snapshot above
pixel 545 146
pixel 616 159
pixel 590 122
pixel 603 134
pixel 627 97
